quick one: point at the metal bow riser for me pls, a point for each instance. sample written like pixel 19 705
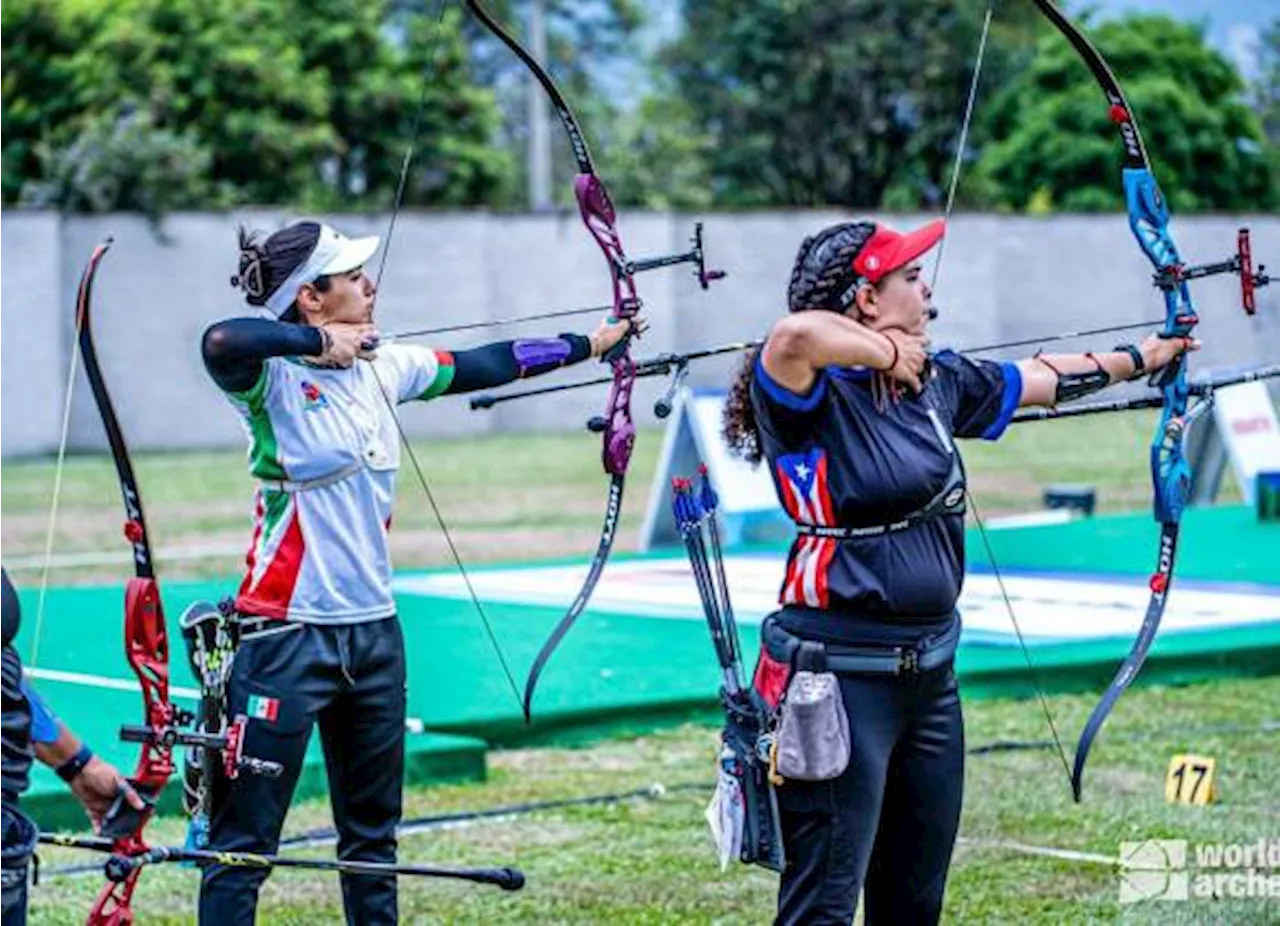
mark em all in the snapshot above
pixel 616 425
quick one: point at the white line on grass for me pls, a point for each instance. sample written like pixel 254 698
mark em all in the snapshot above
pixel 101 681
pixel 116 557
pixel 1066 855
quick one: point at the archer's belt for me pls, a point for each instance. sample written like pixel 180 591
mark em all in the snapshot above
pixel 949 502
pixel 319 482
pixel 925 655
pixel 848 533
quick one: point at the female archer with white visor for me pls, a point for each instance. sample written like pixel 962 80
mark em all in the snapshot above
pixel 856 420
pixel 320 642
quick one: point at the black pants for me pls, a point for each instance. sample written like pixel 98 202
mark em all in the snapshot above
pixel 19 841
pixel 890 821
pixel 17 913
pixel 351 681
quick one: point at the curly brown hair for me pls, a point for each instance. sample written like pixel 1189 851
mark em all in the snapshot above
pixel 820 279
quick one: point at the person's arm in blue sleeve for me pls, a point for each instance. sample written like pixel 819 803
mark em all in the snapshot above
pixel 96 783
pixel 44 722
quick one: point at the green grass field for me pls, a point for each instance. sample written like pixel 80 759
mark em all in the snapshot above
pixel 650 861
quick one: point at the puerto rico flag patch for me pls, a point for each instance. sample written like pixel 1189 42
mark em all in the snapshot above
pixel 261 708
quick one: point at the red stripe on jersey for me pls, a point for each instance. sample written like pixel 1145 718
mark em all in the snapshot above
pixel 251 557
pixel 826 553
pixel 270 596
pixel 792 585
pixel 790 498
pixel 823 492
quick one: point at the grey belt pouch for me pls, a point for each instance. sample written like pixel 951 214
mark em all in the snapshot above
pixel 813 736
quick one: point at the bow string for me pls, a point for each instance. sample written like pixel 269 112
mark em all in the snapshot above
pixel 616 425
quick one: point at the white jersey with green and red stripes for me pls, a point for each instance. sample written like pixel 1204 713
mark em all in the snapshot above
pixel 320 550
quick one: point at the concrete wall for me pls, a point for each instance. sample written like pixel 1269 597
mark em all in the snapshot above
pixel 1002 278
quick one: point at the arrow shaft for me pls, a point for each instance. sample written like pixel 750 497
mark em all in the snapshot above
pixel 516 320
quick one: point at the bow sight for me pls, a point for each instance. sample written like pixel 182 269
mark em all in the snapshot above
pixel 1171 277
pixel 694 255
pixel 598 424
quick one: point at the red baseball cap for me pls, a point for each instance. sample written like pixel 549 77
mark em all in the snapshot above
pixel 888 250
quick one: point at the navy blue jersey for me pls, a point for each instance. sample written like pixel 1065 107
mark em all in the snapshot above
pixel 840 459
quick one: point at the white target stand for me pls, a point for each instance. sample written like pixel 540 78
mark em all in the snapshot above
pixel 749 509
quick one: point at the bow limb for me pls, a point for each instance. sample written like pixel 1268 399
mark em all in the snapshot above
pixel 164 725
pixel 1170 473
pixel 145 638
pixel 616 425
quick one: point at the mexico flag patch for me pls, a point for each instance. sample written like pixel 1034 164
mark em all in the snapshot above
pixel 261 708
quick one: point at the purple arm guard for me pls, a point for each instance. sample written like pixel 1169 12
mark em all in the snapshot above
pixel 543 354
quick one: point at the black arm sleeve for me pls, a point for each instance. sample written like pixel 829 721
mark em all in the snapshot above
pixel 503 362
pixel 234 349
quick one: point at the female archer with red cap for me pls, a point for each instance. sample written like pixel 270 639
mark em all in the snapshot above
pixel 856 421
pixel 320 644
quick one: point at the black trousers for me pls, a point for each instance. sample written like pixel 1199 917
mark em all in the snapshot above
pixel 350 680
pixel 889 822
pixel 17 913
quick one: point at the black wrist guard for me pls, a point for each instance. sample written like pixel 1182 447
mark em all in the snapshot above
pixel 68 770
pixel 1136 355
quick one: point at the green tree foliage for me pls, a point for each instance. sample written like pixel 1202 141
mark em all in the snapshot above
pixel 1266 95
pixel 154 104
pixel 832 102
pixel 1053 147
pixel 34 41
pixel 380 60
pixel 122 161
pixel 590 46
pixel 659 158
pixel 224 69
pixel 1266 89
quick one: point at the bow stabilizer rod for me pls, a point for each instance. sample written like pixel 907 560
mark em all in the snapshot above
pixel 657 365
pixel 1203 390
pixel 123 868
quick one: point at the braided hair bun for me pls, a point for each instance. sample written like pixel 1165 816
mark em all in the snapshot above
pixel 822 278
pixel 823 270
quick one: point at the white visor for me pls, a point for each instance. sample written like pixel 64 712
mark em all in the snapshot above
pixel 333 253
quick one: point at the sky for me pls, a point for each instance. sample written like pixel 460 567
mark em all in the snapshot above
pixel 1234 25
